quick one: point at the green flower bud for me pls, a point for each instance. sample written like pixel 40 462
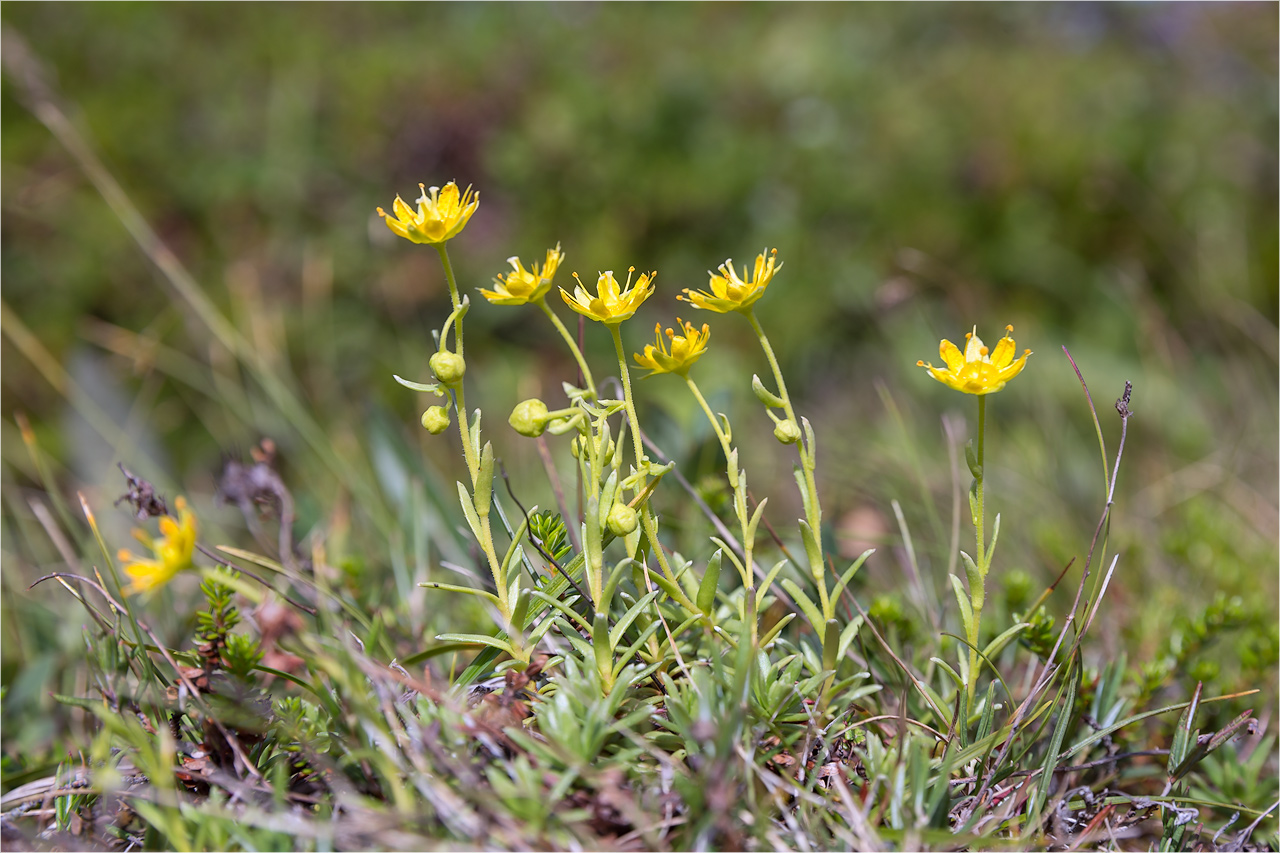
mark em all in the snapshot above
pixel 448 367
pixel 436 419
pixel 786 432
pixel 622 520
pixel 529 418
pixel 573 447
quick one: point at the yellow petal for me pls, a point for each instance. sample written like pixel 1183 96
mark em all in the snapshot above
pixel 403 211
pixel 973 349
pixel 1003 353
pixel 951 354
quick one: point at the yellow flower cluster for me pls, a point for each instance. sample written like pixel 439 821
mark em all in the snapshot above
pixel 685 350
pixel 173 551
pixel 611 304
pixel 977 370
pixel 438 218
pixel 522 286
pixel 729 291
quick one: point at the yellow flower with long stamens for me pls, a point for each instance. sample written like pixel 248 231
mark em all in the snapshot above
pixel 729 291
pixel 522 286
pixel 685 349
pixel 977 370
pixel 611 304
pixel 173 550
pixel 439 217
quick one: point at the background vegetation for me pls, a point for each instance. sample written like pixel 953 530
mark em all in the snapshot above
pixel 1102 176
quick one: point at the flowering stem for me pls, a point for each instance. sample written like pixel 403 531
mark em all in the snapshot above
pixel 740 505
pixel 715 422
pixel 813 510
pixel 978 586
pixel 454 299
pixel 468 452
pixel 980 525
pixel 573 345
pixel 646 516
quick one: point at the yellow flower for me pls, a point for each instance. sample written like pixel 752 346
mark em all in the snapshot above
pixel 977 371
pixel 729 292
pixel 519 287
pixel 437 219
pixel 612 305
pixel 685 350
pixel 173 550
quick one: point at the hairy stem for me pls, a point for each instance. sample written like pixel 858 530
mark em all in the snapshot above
pixel 460 402
pixel 740 506
pixel 715 422
pixel 573 345
pixel 647 520
pixel 813 510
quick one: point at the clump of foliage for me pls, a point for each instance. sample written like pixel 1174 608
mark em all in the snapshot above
pixel 633 690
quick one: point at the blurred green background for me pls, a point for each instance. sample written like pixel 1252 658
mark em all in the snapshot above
pixel 1102 176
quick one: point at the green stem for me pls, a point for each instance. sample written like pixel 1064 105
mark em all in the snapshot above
pixel 978 596
pixel 813 510
pixel 647 520
pixel 573 345
pixel 632 419
pixel 715 422
pixel 740 505
pixel 468 452
pixel 981 526
pixel 473 463
pixel 454 299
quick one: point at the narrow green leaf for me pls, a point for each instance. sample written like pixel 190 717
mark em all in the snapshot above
pixel 432 388
pixel 706 598
pixel 484 483
pixel 811 550
pixel 850 572
pixel 806 604
pixel 624 658
pixel 995 537
pixel 615 633
pixel 971 459
pixel 776 629
pixel 764 395
pixel 1066 707
pixel 769 578
pixel 476 640
pixel 966 611
pixel 993 648
pixel 564 607
pixel 466 590
pixel 600 644
pixel 830 644
pixel 988 712
pixel 755 519
pixel 468 510
pixel 946 667
pixel 848 634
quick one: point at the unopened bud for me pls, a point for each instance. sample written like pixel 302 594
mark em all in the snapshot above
pixel 787 432
pixel 448 367
pixel 622 520
pixel 529 418
pixel 436 419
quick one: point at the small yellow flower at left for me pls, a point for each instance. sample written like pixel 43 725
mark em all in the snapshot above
pixel 685 350
pixel 439 217
pixel 173 550
pixel 611 304
pixel 521 286
pixel 731 292
pixel 977 370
